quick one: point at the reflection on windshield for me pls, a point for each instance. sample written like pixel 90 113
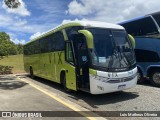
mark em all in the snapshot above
pixel 112 49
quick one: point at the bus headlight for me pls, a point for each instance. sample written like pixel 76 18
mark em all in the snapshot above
pixel 100 78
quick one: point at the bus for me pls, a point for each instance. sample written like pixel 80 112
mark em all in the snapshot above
pixel 146 31
pixel 90 56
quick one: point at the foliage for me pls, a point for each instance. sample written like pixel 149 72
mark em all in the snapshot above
pixel 7 47
pixel 12 3
pixel 20 48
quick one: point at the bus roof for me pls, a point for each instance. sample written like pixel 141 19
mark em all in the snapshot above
pixel 96 24
pixel 134 19
pixel 79 23
pixel 155 13
pixel 141 17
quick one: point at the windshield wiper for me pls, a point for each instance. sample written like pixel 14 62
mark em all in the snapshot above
pixel 125 58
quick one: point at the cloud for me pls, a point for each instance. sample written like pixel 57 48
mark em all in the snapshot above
pixel 15 24
pixel 35 35
pixel 69 20
pixel 13 38
pixel 21 10
pixel 5 20
pixel 16 41
pixel 19 25
pixel 76 8
pixel 111 10
pixel 47 14
pixel 21 22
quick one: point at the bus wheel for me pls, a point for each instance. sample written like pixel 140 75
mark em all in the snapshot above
pixel 155 78
pixel 140 79
pixel 31 73
pixel 63 79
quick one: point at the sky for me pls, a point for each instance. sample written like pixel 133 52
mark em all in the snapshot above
pixel 34 17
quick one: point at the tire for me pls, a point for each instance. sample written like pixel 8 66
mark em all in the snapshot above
pixel 140 78
pixel 155 78
pixel 31 73
pixel 63 81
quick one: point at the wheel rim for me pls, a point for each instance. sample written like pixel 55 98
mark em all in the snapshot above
pixel 156 78
pixel 138 76
pixel 64 83
pixel 31 72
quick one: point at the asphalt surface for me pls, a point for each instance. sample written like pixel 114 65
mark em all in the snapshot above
pixel 17 95
pixel 141 98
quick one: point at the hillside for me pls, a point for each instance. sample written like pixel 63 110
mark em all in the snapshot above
pixel 12 64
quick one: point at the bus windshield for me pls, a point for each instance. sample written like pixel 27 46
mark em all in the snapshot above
pixel 112 49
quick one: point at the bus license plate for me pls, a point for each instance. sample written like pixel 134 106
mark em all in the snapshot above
pixel 121 86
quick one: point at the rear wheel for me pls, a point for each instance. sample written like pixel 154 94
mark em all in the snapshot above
pixel 63 81
pixel 31 73
pixel 155 78
pixel 140 78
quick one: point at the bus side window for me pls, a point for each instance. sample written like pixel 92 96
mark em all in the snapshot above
pixel 59 38
pixel 146 56
pixel 69 53
pixel 43 45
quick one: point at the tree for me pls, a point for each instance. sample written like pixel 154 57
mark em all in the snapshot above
pixel 7 47
pixel 4 37
pixel 20 48
pixel 12 3
pixel 3 50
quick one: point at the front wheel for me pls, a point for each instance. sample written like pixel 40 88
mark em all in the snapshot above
pixel 155 78
pixel 63 78
pixel 31 73
pixel 140 78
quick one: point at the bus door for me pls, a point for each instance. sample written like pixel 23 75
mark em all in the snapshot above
pixel 82 61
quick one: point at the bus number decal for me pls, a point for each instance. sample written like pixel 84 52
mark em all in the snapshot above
pixel 112 75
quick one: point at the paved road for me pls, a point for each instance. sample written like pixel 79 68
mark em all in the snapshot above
pixel 141 98
pixel 20 95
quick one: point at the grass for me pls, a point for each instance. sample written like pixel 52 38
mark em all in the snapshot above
pixel 12 64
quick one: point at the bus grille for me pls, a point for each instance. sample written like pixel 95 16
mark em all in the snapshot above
pixel 120 80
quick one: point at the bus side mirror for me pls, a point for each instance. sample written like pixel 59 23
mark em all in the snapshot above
pixel 131 38
pixel 89 37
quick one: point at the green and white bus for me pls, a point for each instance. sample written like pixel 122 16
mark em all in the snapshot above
pixel 95 57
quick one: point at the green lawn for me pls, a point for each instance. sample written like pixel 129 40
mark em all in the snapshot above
pixel 12 64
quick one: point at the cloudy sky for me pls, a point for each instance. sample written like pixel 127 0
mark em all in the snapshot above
pixel 36 16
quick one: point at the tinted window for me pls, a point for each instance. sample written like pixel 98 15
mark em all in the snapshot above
pixel 37 49
pixel 102 42
pixel 146 56
pixel 44 45
pixel 56 42
pixel 141 27
pixel 157 18
pixel 52 43
pixel 69 54
pixel 32 48
pixel 71 30
pixel 58 36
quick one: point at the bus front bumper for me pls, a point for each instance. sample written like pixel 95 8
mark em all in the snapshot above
pixel 98 86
